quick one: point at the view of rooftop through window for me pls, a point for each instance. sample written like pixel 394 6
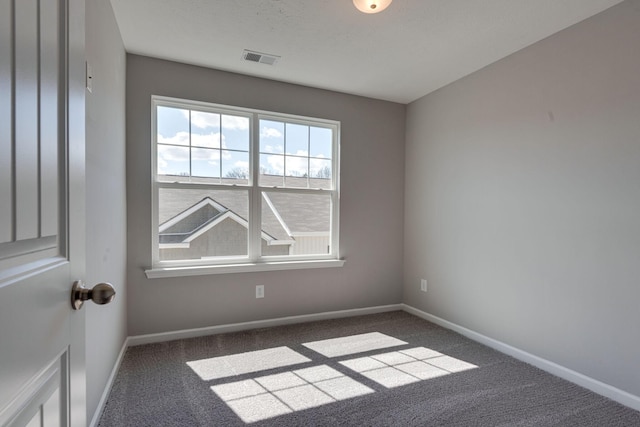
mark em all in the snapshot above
pixel 207 194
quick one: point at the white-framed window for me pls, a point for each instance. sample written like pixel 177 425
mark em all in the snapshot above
pixel 237 187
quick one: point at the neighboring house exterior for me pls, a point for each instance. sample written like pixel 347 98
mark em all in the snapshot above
pixel 200 224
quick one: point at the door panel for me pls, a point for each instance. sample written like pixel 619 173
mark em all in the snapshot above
pixel 6 185
pixel 41 212
pixel 33 318
pixel 43 407
pixel 31 130
pixel 26 118
pixel 49 125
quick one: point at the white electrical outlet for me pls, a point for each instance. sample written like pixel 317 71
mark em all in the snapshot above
pixel 259 291
pixel 423 285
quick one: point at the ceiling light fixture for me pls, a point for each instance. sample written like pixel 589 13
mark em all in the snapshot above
pixel 371 6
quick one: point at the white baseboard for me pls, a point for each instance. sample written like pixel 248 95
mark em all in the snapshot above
pixel 589 383
pixel 107 388
pixel 235 327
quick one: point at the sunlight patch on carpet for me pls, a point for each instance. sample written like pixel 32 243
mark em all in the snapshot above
pixel 398 368
pixel 269 396
pixel 353 344
pixel 246 363
pixel 261 397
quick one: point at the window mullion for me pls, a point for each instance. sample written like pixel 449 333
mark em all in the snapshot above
pixel 254 192
pixel 335 193
pixel 308 156
pixel 284 157
pixel 220 147
pixel 155 255
pixel 190 151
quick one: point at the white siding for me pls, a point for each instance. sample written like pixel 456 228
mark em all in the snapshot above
pixel 310 245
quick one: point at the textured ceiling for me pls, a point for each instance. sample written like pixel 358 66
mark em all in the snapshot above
pixel 412 48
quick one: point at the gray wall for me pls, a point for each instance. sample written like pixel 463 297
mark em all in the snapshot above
pixel 522 199
pixel 106 186
pixel 371 219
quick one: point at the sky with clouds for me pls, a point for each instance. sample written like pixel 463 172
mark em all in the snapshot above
pixel 212 145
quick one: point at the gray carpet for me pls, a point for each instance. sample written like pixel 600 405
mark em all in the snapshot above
pixel 435 377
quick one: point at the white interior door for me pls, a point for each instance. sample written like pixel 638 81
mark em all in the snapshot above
pixel 42 379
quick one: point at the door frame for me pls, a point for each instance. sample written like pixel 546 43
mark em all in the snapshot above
pixel 75 199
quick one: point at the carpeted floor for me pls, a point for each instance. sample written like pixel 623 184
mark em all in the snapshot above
pixel 390 369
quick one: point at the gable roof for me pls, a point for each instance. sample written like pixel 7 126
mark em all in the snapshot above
pixel 197 220
pixel 184 212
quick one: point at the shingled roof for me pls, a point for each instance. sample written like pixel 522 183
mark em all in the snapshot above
pixel 185 213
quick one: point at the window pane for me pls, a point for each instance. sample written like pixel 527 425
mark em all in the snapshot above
pixel 200 224
pixel 300 222
pixel 271 137
pixel 205 129
pixel 271 170
pixel 296 182
pixel 173 160
pixel 296 166
pixel 320 143
pixel 297 139
pixel 205 162
pixel 235 132
pixel 235 167
pixel 296 172
pixel 320 173
pixel 172 125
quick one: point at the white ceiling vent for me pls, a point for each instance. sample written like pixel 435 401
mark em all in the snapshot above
pixel 262 58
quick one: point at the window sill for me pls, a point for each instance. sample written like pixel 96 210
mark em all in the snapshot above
pixel 200 270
